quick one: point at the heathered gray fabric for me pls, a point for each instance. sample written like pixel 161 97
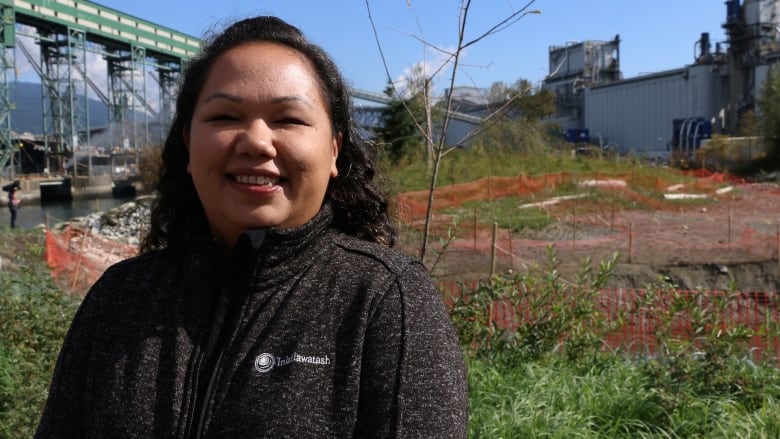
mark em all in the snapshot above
pixel 361 344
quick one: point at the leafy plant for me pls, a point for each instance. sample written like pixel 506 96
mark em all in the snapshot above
pixel 700 347
pixel 530 315
pixel 34 316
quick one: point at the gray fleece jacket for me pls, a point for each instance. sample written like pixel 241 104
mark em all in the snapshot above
pixel 304 333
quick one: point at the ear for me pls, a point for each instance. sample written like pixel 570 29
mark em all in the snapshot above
pixel 337 141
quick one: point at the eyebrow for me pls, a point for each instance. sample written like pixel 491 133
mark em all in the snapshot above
pixel 276 100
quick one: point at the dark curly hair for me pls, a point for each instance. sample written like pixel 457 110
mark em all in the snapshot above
pixel 360 209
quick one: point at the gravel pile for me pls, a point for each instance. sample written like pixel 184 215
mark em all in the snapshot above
pixel 124 223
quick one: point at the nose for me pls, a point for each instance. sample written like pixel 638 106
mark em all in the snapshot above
pixel 256 139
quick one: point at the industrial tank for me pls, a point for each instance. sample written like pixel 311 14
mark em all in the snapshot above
pixel 762 12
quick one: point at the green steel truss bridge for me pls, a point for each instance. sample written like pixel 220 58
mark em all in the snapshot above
pixel 142 59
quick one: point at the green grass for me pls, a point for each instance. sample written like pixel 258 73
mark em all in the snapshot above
pixel 470 164
pixel 34 317
pixel 608 396
pixel 645 186
pixel 503 211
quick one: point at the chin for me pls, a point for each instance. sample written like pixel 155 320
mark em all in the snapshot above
pixel 261 224
pixel 262 218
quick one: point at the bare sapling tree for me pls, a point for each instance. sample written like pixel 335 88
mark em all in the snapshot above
pixel 436 146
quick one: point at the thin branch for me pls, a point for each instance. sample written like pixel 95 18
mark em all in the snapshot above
pixel 439 148
pixel 510 20
pixel 387 71
pixel 379 46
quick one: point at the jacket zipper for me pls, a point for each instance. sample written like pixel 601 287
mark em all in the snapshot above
pixel 225 322
pixel 208 396
pixel 201 397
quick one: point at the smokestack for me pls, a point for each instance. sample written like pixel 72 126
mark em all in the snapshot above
pixel 704 42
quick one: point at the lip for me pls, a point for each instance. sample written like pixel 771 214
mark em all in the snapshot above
pixel 254 181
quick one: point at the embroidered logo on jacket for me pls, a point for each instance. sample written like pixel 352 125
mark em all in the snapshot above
pixel 265 362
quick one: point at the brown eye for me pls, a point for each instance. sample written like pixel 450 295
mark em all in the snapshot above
pixel 291 121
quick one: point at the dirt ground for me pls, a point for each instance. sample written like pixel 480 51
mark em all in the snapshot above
pixel 730 239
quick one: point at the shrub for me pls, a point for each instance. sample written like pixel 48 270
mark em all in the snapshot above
pixel 149 167
pixel 529 315
pixel 537 366
pixel 34 317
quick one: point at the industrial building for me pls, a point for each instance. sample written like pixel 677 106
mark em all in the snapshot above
pixel 655 114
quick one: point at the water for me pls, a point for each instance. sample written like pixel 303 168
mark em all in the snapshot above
pixel 32 213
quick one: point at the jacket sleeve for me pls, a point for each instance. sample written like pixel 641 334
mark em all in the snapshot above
pixel 64 409
pixel 413 380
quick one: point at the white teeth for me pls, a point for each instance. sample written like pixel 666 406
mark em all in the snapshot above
pixel 256 180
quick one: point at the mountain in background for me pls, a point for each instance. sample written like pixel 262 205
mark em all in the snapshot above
pixel 28 114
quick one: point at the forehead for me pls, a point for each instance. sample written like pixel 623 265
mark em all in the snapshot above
pixel 266 62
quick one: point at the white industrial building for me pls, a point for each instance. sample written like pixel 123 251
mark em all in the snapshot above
pixel 651 114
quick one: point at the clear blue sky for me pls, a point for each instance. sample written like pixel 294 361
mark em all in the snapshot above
pixel 656 34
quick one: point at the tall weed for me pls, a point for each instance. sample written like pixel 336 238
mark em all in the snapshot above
pixel 528 315
pixel 537 365
pixel 34 317
pixel 702 351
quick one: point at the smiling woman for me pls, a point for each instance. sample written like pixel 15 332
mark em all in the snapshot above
pixel 262 147
pixel 267 300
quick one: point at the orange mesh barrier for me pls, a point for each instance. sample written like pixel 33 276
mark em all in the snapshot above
pixel 77 258
pixel 412 205
pixel 753 311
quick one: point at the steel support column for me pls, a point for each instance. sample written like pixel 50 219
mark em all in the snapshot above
pixel 140 103
pixel 64 93
pixel 7 70
pixel 167 77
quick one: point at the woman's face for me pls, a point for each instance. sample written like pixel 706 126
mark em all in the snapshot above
pixel 261 144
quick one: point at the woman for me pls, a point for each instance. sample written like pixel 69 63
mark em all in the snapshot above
pixel 13 203
pixel 266 301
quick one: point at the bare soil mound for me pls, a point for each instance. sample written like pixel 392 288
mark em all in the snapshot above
pixel 729 240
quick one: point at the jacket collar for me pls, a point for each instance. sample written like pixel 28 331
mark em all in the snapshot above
pixel 272 247
pixel 275 251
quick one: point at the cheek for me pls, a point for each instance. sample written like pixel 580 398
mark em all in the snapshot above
pixel 202 159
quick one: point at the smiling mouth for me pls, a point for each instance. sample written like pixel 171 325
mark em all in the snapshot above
pixel 256 180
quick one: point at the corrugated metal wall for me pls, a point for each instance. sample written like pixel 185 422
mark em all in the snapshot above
pixel 637 113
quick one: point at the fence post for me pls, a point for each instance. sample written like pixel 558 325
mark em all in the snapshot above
pixel 475 227
pixel 84 237
pixel 493 250
pixel 511 251
pixel 729 228
pixel 612 216
pixel 574 224
pixel 630 243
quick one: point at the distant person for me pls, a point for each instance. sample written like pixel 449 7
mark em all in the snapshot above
pixel 13 203
pixel 267 300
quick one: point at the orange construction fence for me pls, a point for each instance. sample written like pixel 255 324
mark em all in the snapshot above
pixel 756 312
pixel 413 205
pixel 77 257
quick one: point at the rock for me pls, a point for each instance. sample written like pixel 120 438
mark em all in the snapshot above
pixel 124 223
